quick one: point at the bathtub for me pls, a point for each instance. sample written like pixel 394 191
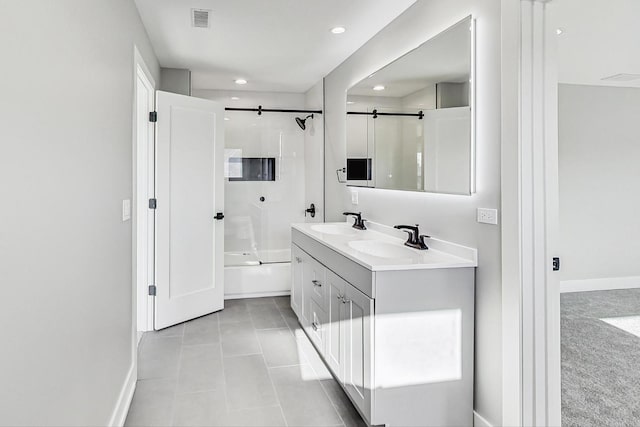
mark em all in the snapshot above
pixel 254 274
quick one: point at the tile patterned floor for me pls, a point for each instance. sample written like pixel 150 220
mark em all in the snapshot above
pixel 248 365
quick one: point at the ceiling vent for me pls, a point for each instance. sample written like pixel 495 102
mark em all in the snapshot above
pixel 622 78
pixel 200 18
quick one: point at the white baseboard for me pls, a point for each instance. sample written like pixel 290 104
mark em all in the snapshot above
pixel 606 284
pixel 479 421
pixel 121 410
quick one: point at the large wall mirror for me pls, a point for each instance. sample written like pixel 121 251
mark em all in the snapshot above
pixel 410 125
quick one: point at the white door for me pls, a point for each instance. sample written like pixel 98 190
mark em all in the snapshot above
pixel 189 193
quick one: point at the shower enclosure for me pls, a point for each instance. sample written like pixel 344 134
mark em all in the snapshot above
pixel 264 195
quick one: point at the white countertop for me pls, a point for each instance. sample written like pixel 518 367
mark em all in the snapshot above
pixel 441 254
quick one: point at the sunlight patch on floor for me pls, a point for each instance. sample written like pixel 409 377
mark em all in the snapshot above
pixel 630 324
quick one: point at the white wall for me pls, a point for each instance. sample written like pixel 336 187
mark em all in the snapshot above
pixel 444 216
pixel 314 152
pixel 65 167
pixel 176 80
pixel 599 173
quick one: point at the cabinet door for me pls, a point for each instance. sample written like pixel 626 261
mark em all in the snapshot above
pixel 335 288
pixel 358 347
pixel 296 280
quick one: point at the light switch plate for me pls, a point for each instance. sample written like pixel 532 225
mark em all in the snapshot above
pixel 126 210
pixel 354 197
pixel 488 216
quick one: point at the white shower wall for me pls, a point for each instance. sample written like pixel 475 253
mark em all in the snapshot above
pixel 263 227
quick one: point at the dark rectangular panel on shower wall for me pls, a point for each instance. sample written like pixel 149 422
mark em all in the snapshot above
pixel 253 168
pixel 358 169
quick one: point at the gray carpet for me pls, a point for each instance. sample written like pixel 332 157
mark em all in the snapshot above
pixel 600 362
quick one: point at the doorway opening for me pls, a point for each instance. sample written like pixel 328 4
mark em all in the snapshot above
pixel 598 105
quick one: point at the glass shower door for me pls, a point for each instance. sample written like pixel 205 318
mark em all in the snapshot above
pixel 264 190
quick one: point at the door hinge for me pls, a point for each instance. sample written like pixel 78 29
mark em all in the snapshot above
pixel 153 116
pixel 152 290
pixel 556 264
pixel 153 203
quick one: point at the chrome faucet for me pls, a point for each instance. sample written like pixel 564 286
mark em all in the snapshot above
pixel 359 222
pixel 415 240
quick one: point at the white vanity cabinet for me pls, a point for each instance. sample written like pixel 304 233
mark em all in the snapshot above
pixel 399 340
pixel 338 323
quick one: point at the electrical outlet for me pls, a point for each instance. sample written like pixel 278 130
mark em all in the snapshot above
pixel 488 216
pixel 354 197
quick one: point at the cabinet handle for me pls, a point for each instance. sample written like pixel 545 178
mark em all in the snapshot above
pixel 340 297
pixel 345 301
pixel 314 325
pixel 316 283
pixel 298 259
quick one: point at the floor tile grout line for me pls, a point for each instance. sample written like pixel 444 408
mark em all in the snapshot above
pixel 335 407
pixel 288 366
pixel 240 355
pixel 271 381
pixel 318 376
pixel 175 390
pixel 324 390
pixel 227 406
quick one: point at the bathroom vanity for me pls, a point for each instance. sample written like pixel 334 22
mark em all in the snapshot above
pixel 393 324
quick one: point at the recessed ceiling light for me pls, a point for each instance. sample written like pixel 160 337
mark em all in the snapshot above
pixel 350 102
pixel 241 82
pixel 559 31
pixel 338 30
pixel 378 87
pixel 226 119
pixel 234 98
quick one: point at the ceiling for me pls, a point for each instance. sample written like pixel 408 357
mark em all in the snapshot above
pixel 599 38
pixel 444 58
pixel 276 45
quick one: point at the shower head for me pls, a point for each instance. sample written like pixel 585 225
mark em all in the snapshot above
pixel 301 122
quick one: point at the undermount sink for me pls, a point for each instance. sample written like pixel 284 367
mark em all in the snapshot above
pixel 334 229
pixel 381 249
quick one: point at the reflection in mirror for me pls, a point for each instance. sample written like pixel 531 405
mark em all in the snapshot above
pixel 410 124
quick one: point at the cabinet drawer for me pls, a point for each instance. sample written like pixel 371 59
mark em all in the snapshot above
pixel 316 277
pixel 318 320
